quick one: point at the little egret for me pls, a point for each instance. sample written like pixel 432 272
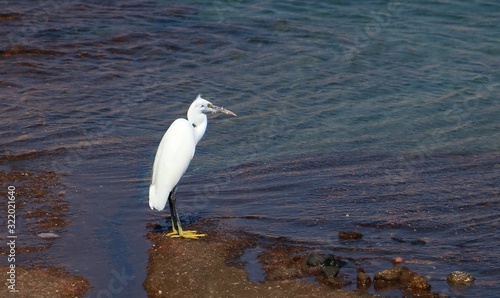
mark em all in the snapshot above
pixel 172 159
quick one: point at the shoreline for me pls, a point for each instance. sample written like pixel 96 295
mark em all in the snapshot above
pixel 227 262
pixel 212 267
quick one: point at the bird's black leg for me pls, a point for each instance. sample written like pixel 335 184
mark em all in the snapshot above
pixel 176 224
pixel 173 212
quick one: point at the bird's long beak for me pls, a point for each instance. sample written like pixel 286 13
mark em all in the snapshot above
pixel 222 110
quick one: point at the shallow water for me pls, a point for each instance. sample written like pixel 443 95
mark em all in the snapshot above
pixel 379 117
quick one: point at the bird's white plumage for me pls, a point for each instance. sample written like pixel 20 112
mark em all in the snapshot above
pixel 176 150
pixel 172 159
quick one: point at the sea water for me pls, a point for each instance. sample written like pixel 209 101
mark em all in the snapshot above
pixel 374 116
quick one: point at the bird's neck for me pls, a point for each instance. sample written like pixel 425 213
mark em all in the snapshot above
pixel 200 125
pixel 199 131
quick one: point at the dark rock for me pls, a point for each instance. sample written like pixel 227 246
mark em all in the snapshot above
pixel 333 261
pixel 329 264
pixel 330 271
pixel 460 278
pixel 363 280
pixel 418 242
pixel 319 259
pixel 316 259
pixel 350 235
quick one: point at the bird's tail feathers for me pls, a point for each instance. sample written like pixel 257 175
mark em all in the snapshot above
pixel 152 192
pixel 157 200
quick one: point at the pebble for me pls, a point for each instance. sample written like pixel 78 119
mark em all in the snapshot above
pixel 460 278
pixel 48 235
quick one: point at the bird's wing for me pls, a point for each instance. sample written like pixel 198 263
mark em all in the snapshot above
pixel 172 159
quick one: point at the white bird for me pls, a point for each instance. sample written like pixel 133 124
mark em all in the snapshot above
pixel 173 156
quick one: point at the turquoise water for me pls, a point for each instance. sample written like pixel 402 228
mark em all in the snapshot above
pixel 377 116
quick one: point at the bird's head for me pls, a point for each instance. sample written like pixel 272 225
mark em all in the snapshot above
pixel 201 105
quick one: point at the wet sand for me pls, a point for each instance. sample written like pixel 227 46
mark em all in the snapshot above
pixel 211 267
pixel 40 218
pixel 45 282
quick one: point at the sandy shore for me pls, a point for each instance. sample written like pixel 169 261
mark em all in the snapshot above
pixel 45 282
pixel 211 267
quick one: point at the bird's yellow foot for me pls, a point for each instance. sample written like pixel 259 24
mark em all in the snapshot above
pixel 189 234
pixel 173 234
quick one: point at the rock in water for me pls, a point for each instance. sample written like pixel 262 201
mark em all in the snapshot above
pixel 350 235
pixel 330 271
pixel 413 281
pixel 333 261
pixel 460 278
pixel 316 259
pixel 330 265
pixel 391 274
pixel 363 280
pixel 319 259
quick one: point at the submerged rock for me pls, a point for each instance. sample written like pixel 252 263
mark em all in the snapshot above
pixel 418 242
pixel 334 282
pixel 350 235
pixel 460 278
